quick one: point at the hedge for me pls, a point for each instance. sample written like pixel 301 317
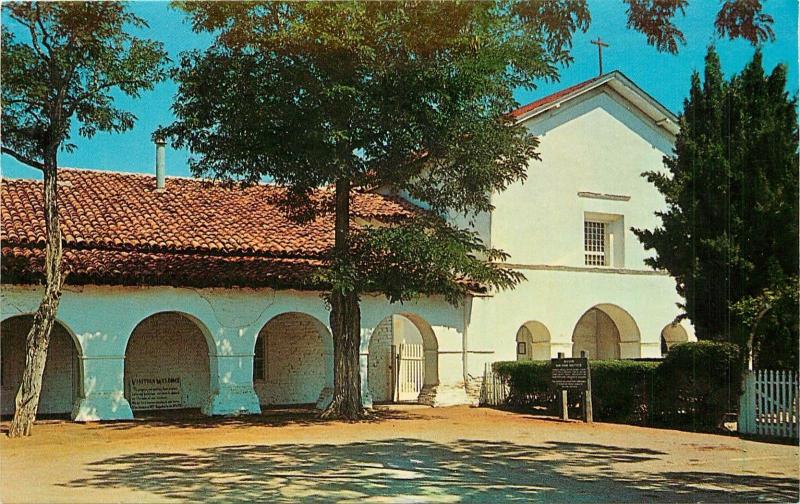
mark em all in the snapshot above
pixel 694 386
pixel 698 383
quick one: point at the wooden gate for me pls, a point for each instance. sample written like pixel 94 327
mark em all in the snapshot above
pixel 769 404
pixel 410 372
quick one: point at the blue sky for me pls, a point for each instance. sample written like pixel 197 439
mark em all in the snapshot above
pixel 664 76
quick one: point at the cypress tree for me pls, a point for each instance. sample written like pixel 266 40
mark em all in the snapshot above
pixel 729 234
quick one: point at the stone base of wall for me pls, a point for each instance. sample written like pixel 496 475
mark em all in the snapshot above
pixel 233 400
pixel 443 395
pixel 473 388
pixel 98 406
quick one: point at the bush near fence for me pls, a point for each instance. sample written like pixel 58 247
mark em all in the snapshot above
pixel 697 384
pixel 694 386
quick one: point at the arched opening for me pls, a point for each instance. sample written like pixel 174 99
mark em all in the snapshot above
pixel 293 360
pixel 671 335
pixel 62 380
pixel 403 359
pixel 167 363
pixel 606 331
pixel 533 341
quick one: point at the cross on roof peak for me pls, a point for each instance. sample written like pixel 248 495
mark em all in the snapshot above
pixel 600 45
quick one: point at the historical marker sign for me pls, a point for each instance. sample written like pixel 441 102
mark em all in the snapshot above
pixel 149 393
pixel 570 374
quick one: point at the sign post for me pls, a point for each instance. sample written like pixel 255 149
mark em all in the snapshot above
pixel 571 374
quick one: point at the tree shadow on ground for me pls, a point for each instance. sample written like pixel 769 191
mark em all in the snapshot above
pixel 415 470
pixel 194 419
pixel 272 417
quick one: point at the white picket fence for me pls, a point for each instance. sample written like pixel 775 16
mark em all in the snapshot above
pixel 410 372
pixel 770 404
pixel 494 390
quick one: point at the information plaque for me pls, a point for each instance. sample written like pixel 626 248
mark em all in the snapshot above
pixel 149 393
pixel 570 374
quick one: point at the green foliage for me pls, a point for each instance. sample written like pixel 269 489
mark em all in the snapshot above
pixel 61 60
pixel 698 383
pixel 736 19
pixel 775 341
pixel 378 95
pixel 619 387
pixel 730 230
pixel 441 260
pixel 693 387
pixel 621 390
pixel 529 383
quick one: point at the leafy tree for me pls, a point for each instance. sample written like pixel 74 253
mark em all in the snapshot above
pixel 730 233
pixel 407 96
pixel 61 61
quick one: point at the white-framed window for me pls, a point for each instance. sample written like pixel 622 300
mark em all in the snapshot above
pixel 603 240
pixel 595 236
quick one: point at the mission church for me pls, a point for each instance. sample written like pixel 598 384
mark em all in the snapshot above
pixel 188 294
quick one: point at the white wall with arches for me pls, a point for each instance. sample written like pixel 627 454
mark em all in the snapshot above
pixel 121 331
pixel 558 299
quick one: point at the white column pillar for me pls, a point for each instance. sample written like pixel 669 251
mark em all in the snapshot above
pixel 231 369
pixel 103 392
pixel 233 392
pixel 366 397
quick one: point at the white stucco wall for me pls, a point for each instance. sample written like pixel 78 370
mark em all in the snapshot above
pixel 558 299
pixel 102 318
pixel 599 144
pixel 594 144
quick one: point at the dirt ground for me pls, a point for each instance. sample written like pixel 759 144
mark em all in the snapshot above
pixel 406 455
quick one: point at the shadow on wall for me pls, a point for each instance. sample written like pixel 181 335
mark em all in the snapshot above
pixel 410 469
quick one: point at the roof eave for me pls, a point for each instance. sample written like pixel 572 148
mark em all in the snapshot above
pixel 661 116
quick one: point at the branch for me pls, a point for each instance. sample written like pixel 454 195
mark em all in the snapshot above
pixel 77 101
pixel 35 40
pixel 14 101
pixel 45 36
pixel 23 159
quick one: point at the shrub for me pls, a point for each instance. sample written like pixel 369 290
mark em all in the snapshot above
pixel 529 383
pixel 699 383
pixel 618 387
pixel 621 390
pixel 693 387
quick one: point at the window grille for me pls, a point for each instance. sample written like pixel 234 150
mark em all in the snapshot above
pixel 594 241
pixel 258 360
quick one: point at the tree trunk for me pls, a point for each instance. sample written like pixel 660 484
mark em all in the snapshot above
pixel 27 400
pixel 345 324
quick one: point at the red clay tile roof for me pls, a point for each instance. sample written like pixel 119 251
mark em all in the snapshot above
pixel 23 265
pixel 118 230
pixel 552 97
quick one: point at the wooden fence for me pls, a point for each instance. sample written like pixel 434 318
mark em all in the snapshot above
pixel 770 404
pixel 494 390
